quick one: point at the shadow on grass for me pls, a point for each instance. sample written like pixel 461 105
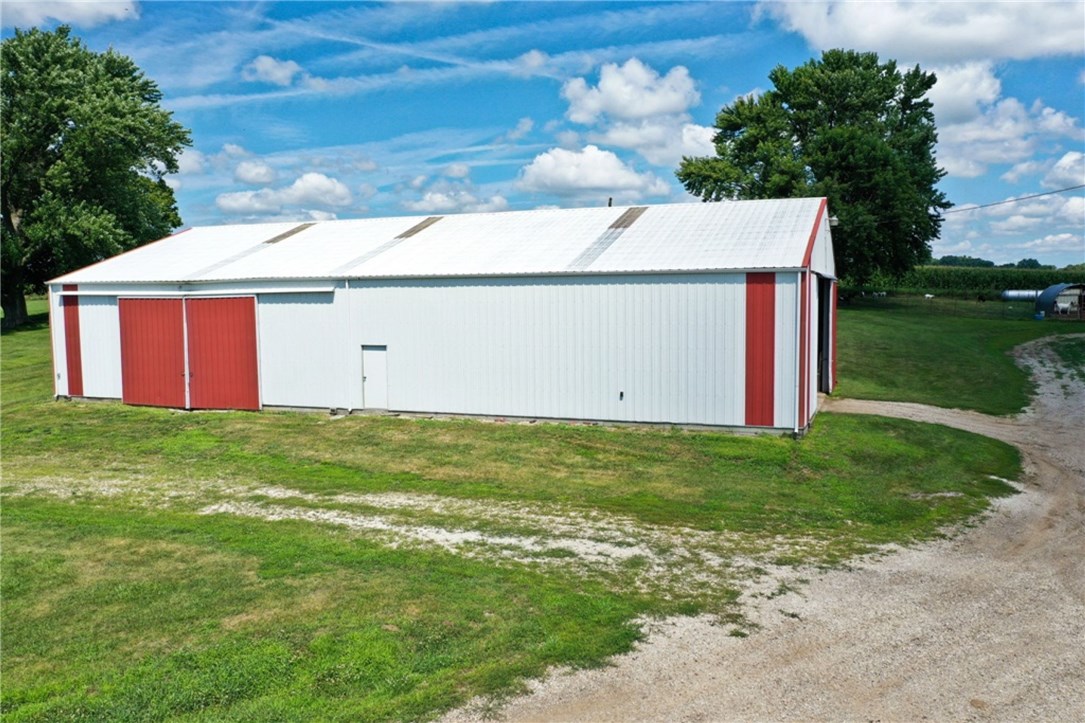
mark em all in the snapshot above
pixel 33 323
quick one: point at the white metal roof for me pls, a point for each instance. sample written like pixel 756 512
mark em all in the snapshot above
pixel 769 234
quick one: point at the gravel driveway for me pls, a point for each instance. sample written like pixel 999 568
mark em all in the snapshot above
pixel 989 625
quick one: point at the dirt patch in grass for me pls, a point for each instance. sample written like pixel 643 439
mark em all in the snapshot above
pixel 669 561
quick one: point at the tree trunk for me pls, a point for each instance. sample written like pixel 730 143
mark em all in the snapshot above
pixel 14 304
pixel 12 273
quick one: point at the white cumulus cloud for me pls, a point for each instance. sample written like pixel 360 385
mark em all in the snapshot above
pixel 81 13
pixel 662 141
pixel 1006 132
pixel 455 201
pixel 1055 242
pixel 962 91
pixel 1024 169
pixel 191 162
pixel 457 170
pixel 630 91
pixel 311 189
pixel 266 69
pixel 563 172
pixel 256 173
pixel 938 32
pixel 1067 171
pixel 636 108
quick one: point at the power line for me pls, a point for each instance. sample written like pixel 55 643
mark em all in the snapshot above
pixel 1013 200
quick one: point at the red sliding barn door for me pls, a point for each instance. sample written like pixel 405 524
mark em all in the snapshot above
pixel 191 354
pixel 152 352
pixel 222 353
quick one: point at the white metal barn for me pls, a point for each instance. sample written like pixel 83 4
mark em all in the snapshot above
pixel 703 313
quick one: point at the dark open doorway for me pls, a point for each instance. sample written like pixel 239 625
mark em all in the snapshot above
pixel 826 334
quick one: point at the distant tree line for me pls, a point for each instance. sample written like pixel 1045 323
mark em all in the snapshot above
pixel 970 262
pixel 976 281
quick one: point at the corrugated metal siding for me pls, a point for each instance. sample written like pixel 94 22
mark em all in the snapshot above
pixel 822 260
pixel 222 353
pixel 612 340
pixel 302 362
pixel 546 241
pixel 735 235
pixel 179 257
pixel 655 349
pixel 762 234
pixel 101 347
pixel 326 249
pixel 804 349
pixel 152 352
pixel 787 359
pixel 56 334
pixel 760 349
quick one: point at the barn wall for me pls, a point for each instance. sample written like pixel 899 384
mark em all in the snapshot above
pixel 647 348
pixel 821 260
pixel 632 348
pixel 302 360
pixel 100 332
pixel 57 331
pixel 785 407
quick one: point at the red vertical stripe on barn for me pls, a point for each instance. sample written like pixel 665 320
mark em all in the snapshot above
pixel 73 347
pixel 222 353
pixel 804 343
pixel 760 348
pixel 152 352
pixel 832 348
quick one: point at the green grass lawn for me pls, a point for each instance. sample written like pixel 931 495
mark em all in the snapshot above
pixel 947 353
pixel 127 597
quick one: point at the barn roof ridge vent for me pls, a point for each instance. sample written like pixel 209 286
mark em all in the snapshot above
pixel 420 226
pixel 372 253
pixel 607 238
pixel 251 250
pixel 291 232
pixel 630 216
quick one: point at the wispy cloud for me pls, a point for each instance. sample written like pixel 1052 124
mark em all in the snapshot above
pixel 28 13
pixel 406 77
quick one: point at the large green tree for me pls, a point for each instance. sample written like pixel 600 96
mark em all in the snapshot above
pixel 85 146
pixel 847 127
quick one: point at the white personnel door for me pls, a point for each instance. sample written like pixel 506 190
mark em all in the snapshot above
pixel 374 377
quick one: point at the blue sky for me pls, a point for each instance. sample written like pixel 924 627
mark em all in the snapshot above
pixel 320 110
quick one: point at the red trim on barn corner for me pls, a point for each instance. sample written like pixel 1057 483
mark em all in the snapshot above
pixel 814 234
pixel 760 348
pixel 804 342
pixel 73 348
pixel 832 347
